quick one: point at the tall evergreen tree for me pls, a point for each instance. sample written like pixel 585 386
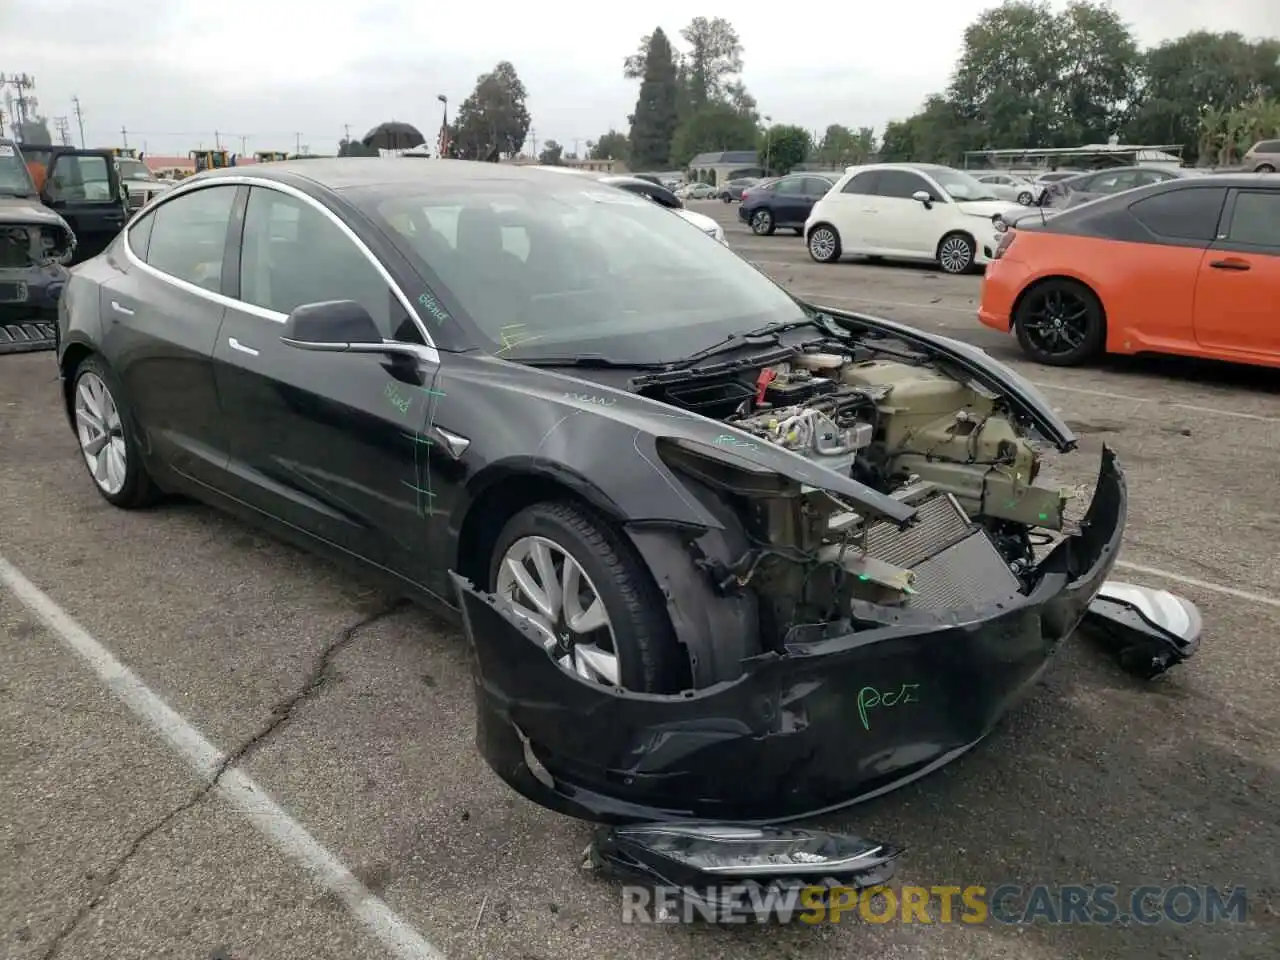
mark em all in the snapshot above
pixel 654 120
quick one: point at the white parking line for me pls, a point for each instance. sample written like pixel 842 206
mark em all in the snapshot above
pixel 1216 411
pixel 1202 584
pixel 910 305
pixel 236 788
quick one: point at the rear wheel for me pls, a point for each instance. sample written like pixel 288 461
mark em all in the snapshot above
pixel 824 243
pixel 108 438
pixel 589 597
pixel 1060 323
pixel 762 224
pixel 1024 198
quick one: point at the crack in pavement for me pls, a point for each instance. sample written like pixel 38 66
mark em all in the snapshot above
pixel 281 714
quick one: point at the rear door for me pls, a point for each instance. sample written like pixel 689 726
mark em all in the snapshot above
pixel 1239 282
pixel 84 187
pixel 789 203
pixel 161 318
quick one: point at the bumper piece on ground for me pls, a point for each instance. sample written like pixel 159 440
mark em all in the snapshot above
pixel 728 873
pixel 28 337
pixel 1146 630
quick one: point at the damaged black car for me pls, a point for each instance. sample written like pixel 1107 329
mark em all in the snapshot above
pixel 723 556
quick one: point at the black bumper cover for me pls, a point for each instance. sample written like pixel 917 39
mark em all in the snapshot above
pixel 842 716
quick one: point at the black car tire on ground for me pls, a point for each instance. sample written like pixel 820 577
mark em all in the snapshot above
pixel 762 224
pixel 1035 306
pixel 828 243
pixel 28 336
pixel 139 489
pixel 956 253
pixel 650 660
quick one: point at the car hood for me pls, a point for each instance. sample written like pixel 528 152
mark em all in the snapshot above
pixel 700 220
pixel 28 211
pixel 986 208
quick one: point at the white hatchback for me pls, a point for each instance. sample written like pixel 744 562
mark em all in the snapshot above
pixel 908 211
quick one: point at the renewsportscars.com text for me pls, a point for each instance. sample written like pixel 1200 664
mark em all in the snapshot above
pixel 1104 904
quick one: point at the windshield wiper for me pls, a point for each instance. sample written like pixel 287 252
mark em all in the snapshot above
pixel 595 360
pixel 766 336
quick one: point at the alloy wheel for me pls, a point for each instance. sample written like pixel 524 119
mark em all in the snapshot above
pixel 822 244
pixel 1056 321
pixel 553 594
pixel 101 433
pixel 956 255
pixel 762 222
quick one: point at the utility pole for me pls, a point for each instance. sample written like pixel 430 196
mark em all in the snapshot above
pixel 124 136
pixel 64 130
pixel 217 140
pixel 79 119
pixel 297 144
pixel 244 143
pixel 575 148
pixel 533 135
pixel 346 132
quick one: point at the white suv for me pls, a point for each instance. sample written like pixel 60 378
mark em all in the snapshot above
pixel 908 211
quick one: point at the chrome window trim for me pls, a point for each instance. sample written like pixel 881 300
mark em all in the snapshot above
pixel 261 312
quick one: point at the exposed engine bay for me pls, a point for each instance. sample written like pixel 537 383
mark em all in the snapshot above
pixel 906 427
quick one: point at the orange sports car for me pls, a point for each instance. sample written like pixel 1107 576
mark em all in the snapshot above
pixel 1190 266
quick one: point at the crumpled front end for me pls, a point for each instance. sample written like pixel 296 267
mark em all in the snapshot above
pixel 847 711
pixel 33 273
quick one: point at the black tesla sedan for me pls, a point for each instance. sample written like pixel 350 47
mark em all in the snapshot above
pixel 781 557
pixel 784 202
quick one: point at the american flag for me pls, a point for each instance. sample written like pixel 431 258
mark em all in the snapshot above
pixel 442 142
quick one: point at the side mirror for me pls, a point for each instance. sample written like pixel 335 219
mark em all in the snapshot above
pixel 341 326
pixel 922 196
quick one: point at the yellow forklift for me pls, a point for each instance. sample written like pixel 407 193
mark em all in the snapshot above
pixel 270 156
pixel 212 159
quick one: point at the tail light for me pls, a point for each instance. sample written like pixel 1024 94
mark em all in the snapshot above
pixel 1006 241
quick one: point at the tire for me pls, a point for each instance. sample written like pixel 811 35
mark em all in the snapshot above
pixel 762 224
pixel 1034 316
pixel 648 657
pixel 726 198
pixel 956 252
pixel 1025 198
pixel 1264 168
pixel 827 242
pixel 130 487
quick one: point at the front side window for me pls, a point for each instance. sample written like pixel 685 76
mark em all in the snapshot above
pixel 79 178
pixel 816 186
pixel 189 236
pixel 790 187
pixel 15 180
pixel 555 268
pixel 900 185
pixel 292 254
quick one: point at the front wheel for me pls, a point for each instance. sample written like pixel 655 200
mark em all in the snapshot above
pixel 1060 323
pixel 108 438
pixel 1264 168
pixel 1024 198
pixel 762 223
pixel 589 597
pixel 956 253
pixel 824 244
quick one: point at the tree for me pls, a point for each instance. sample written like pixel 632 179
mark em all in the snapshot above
pixel 841 147
pixel 714 126
pixel 611 146
pixel 654 122
pixel 937 134
pixel 714 58
pixel 494 120
pixel 552 154
pixel 783 147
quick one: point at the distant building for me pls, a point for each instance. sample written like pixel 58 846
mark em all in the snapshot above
pixel 596 166
pixel 716 168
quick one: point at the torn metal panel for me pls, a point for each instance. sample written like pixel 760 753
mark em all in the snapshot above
pixel 848 711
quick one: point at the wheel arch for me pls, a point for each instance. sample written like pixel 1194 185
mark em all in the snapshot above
pixel 73 355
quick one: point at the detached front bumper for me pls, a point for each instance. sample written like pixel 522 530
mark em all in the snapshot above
pixel 841 716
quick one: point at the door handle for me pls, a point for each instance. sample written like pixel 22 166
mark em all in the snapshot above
pixel 115 305
pixel 1229 264
pixel 237 345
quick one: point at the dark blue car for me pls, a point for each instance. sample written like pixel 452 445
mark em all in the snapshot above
pixel 783 202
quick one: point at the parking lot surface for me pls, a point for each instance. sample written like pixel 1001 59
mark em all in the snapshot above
pixel 392 837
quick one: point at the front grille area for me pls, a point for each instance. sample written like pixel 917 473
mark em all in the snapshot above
pixel 15 247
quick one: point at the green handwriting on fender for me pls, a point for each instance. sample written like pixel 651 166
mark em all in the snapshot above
pixel 728 440
pixel 591 398
pixel 869 698
pixel 396 399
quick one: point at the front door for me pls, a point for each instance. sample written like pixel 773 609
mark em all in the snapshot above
pixel 904 225
pixel 1235 304
pixel 329 443
pixel 168 297
pixel 83 186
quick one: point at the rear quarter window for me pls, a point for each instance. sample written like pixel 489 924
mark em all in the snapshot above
pixel 1189 214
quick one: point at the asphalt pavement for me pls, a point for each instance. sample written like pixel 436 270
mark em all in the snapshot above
pixel 143 655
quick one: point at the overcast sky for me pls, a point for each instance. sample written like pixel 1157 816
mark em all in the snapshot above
pixel 284 72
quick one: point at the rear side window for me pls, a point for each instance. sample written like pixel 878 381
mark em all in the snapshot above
pixel 140 235
pixel 189 236
pixel 76 177
pixel 862 183
pixel 1267 146
pixel 1190 214
pixel 1256 219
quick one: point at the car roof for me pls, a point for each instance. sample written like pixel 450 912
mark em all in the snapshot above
pixel 345 173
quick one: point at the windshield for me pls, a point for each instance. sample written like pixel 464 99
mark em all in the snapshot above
pixel 14 178
pixel 134 170
pixel 961 186
pixel 566 268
